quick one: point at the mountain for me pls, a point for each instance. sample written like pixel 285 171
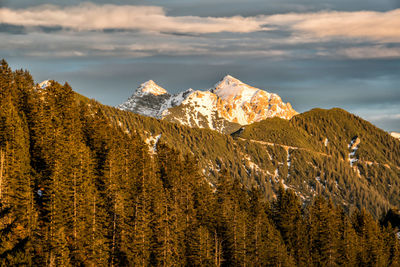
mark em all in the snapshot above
pixel 328 152
pixel 147 100
pixel 226 106
pixel 395 135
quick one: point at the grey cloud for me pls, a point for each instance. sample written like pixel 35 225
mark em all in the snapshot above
pixel 12 29
pixel 305 26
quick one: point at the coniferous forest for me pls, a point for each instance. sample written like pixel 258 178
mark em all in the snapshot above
pixel 76 190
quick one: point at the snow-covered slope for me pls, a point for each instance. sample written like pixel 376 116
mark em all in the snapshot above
pixel 199 109
pixel 224 107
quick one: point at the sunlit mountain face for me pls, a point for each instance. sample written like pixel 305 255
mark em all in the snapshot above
pixel 230 102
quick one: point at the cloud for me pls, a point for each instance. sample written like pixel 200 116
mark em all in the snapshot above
pixel 306 27
pixel 384 117
pixel 142 31
pixel 88 16
pixel 370 52
pixel 381 26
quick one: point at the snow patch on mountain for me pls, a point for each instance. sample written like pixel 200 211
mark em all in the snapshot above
pixel 251 166
pixel 288 162
pixel 353 146
pixel 152 142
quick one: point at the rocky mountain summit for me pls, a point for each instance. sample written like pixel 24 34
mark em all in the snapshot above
pixel 224 107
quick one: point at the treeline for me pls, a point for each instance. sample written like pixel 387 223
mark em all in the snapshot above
pixel 75 190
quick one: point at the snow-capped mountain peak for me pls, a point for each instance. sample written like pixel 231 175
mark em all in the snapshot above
pixel 229 102
pixel 150 87
pixel 245 104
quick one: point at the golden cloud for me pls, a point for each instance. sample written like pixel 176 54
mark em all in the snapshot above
pixel 89 16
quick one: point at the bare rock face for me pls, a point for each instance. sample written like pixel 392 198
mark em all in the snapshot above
pixel 225 107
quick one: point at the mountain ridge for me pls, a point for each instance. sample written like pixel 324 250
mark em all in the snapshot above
pixel 230 99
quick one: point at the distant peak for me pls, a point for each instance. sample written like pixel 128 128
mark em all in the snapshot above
pixel 44 84
pixel 150 87
pixel 395 135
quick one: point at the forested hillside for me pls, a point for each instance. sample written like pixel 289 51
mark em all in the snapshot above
pixel 82 184
pixel 328 152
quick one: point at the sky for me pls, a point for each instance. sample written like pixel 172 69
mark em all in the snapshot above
pixel 313 53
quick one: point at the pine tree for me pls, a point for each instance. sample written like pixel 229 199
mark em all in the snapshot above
pixel 138 183
pixel 13 243
pixel 347 243
pixel 370 249
pixel 392 246
pixel 170 218
pixel 289 221
pixel 267 247
pixel 323 233
pixel 206 245
pixel 15 176
pixel 97 136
